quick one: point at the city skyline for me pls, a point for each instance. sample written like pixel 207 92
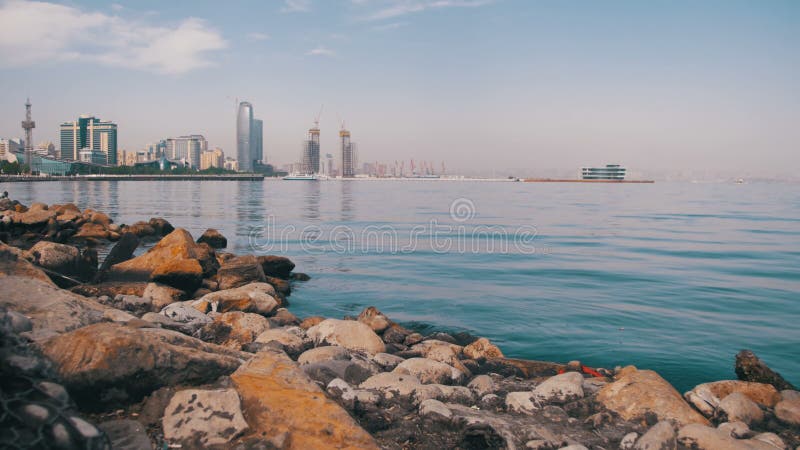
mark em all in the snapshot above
pixel 485 85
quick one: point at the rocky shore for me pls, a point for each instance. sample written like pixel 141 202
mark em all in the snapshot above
pixel 189 346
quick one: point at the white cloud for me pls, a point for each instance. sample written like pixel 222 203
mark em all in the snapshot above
pixel 321 51
pixel 256 36
pixel 389 26
pixel 396 8
pixel 291 6
pixel 37 32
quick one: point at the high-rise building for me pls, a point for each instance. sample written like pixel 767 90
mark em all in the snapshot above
pixel 258 142
pixel 91 133
pixel 244 137
pixel 157 149
pixel 28 125
pixel 348 154
pixel 310 159
pixel 212 158
pixel 188 148
pixel 8 147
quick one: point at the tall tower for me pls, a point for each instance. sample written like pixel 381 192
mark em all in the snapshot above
pixel 311 150
pixel 348 154
pixel 244 137
pixel 258 142
pixel 28 125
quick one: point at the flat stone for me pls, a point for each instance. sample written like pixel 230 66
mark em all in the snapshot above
pixel 429 371
pixel 521 402
pixel 788 411
pixel 291 342
pixel 203 417
pixel 13 262
pixel 434 409
pixel 240 271
pixel 739 408
pixel 392 384
pixel 700 437
pixel 185 312
pixel 254 297
pixel 278 398
pixel 326 353
pixel 126 434
pixel 387 361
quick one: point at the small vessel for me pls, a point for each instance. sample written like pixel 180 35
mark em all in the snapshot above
pixel 301 177
pixel 740 181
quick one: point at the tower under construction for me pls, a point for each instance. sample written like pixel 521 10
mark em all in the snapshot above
pixel 310 159
pixel 348 154
pixel 28 125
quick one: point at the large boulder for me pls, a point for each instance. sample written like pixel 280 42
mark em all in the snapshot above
pixel 109 362
pixel 482 348
pixel 213 238
pixel 236 329
pixel 443 352
pixel 659 437
pixel 320 354
pixel 53 310
pixel 34 217
pixel 277 397
pixel 184 274
pixel 788 411
pixel 90 230
pixel 706 397
pixel 199 418
pixel 700 437
pixel 176 245
pixel 13 262
pixel 276 266
pixel 161 295
pixel 240 271
pixel 739 408
pixel 254 297
pixel 374 319
pixel 749 367
pixel 637 392
pixel 290 339
pixel 350 334
pixel 61 258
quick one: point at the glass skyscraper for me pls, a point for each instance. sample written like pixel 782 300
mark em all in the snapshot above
pixel 244 137
pixel 258 141
pixel 91 133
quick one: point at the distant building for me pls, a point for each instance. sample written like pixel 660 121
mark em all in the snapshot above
pixel 88 155
pixel 310 160
pixel 157 149
pixel 348 154
pixel 609 172
pixel 187 148
pixel 8 147
pixel 46 148
pixel 231 164
pixel 92 133
pixel 212 158
pixel 245 139
pixel 258 142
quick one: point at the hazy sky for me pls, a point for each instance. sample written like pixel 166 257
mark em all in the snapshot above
pixel 509 84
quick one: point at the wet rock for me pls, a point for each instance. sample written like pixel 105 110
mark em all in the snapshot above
pixel 284 318
pixel 121 252
pixel 350 334
pixel 374 319
pixel 278 398
pixel 183 274
pixel 435 410
pixel 60 258
pixel 637 392
pixel 429 371
pixel 91 230
pixel 108 362
pixel 738 430
pixel 750 368
pixel 395 334
pixel 240 271
pixel 482 348
pixel 160 226
pixel 161 295
pixel 659 437
pixel 213 238
pixel 281 286
pixel 126 434
pixel 254 297
pixel 443 352
pixel 13 262
pixel 521 402
pixel 326 353
pixel 387 361
pixel 560 388
pixel 276 266
pixel 291 339
pixel 201 418
pixel 482 385
pixel 788 411
pixel 739 408
pixel 299 276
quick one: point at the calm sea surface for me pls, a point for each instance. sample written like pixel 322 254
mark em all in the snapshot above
pixel 675 277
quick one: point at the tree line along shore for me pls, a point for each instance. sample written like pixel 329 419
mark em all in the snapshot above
pixel 186 345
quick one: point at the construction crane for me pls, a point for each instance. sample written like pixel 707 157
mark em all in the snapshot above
pixel 316 119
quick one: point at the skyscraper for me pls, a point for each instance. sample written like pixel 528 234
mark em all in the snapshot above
pixel 91 133
pixel 28 125
pixel 244 137
pixel 258 142
pixel 311 151
pixel 348 154
pixel 187 148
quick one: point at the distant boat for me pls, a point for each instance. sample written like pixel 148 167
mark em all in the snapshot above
pixel 301 177
pixel 740 181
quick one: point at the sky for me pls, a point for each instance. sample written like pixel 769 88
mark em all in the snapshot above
pixel 523 87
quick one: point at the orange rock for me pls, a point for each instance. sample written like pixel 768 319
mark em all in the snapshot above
pixel 765 394
pixel 184 274
pixel 13 263
pixel 482 348
pixel 636 392
pixel 92 230
pixel 309 322
pixel 176 245
pixel 278 397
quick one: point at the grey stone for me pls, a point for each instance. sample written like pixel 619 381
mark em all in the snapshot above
pixel 319 354
pixel 628 440
pixel 738 430
pixel 126 434
pixel 788 411
pixel 204 417
pixel 184 312
pixel 521 402
pixel 482 385
pixel 387 361
pixel 434 409
pixel 560 388
pixel 660 436
pixel 430 371
pixel 19 322
pixel 738 407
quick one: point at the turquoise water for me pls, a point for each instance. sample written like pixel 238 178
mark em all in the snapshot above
pixel 675 277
